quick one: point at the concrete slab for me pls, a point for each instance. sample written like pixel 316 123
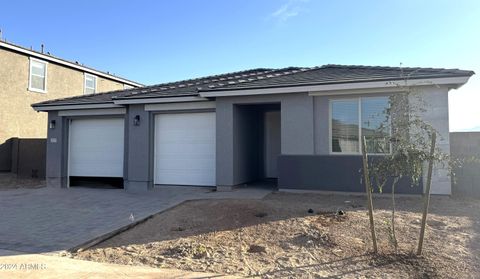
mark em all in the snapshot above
pixel 52 220
pixel 15 265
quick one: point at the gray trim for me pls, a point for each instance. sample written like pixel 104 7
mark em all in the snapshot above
pixel 71 107
pixel 181 111
pixel 150 100
pixel 92 112
pixel 330 173
pixel 180 106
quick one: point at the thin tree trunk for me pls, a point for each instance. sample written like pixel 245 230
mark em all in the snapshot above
pixel 368 189
pixel 394 235
pixel 426 197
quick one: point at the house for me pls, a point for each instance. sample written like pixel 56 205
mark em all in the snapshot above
pixel 299 125
pixel 27 77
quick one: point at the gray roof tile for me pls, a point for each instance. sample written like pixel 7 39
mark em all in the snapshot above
pixel 262 78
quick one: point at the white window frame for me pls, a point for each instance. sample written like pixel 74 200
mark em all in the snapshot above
pixel 85 83
pixel 359 103
pixel 30 73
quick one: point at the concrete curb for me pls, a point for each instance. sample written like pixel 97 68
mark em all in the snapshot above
pixel 101 238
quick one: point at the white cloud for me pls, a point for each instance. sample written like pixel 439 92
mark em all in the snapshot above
pixel 288 10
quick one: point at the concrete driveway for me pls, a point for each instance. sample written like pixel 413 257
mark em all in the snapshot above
pixel 52 220
pixel 16 265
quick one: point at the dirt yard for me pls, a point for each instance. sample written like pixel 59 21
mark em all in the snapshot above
pixel 280 237
pixel 9 181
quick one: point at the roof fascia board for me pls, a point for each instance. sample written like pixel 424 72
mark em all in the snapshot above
pixel 455 82
pixel 180 106
pixel 159 100
pixel 356 91
pixel 86 112
pixel 72 107
pixel 66 63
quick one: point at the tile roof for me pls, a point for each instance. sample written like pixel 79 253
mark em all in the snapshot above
pixel 263 78
pixel 183 88
pixel 331 74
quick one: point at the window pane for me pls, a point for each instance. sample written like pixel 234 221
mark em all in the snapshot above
pixel 38 68
pixel 89 83
pixel 375 124
pixel 38 83
pixel 345 126
pixel 89 90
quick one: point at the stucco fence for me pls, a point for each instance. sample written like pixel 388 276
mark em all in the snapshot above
pixel 24 157
pixel 465 145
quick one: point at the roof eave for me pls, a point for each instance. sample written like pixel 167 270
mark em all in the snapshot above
pixel 56 107
pixel 452 81
pixel 158 100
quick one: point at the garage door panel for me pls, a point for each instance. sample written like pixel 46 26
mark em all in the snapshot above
pixel 171 177
pixel 185 149
pixel 186 164
pixel 96 147
pixel 190 150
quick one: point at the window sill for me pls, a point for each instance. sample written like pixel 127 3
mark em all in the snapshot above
pixel 37 90
pixel 358 154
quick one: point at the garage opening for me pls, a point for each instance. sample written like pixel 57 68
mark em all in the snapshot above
pixel 258 143
pixel 96 182
pixel 96 152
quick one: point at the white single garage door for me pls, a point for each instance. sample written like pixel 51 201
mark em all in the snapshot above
pixel 185 149
pixel 96 147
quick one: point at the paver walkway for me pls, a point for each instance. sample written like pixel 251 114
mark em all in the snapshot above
pixel 13 265
pixel 52 219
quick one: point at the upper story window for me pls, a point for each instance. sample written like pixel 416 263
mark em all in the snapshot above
pixel 90 84
pixel 126 86
pixel 353 119
pixel 38 76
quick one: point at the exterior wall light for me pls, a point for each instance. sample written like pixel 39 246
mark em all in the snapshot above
pixel 136 120
pixel 52 123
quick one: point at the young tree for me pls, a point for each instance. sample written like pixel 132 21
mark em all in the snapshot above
pixel 406 149
pixel 368 190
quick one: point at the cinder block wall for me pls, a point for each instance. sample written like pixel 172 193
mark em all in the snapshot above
pixel 466 145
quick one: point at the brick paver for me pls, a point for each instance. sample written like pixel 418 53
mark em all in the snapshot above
pixel 52 220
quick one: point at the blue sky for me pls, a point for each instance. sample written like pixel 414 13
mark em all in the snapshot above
pixel 157 41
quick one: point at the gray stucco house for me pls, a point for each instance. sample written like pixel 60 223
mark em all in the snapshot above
pixel 299 125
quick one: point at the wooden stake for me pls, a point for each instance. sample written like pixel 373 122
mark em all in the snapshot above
pixel 368 189
pixel 426 197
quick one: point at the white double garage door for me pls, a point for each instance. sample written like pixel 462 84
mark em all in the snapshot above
pixel 184 148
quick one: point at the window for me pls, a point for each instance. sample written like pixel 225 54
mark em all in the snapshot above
pixel 38 76
pixel 126 86
pixel 345 132
pixel 353 119
pixel 90 86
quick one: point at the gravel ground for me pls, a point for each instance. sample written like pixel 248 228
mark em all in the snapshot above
pixel 280 237
pixel 9 181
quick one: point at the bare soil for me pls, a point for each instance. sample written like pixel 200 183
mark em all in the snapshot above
pixel 9 181
pixel 280 236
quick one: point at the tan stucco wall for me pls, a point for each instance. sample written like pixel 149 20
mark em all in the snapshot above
pixel 17 118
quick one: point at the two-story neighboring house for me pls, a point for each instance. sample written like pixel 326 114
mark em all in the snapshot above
pixel 27 77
